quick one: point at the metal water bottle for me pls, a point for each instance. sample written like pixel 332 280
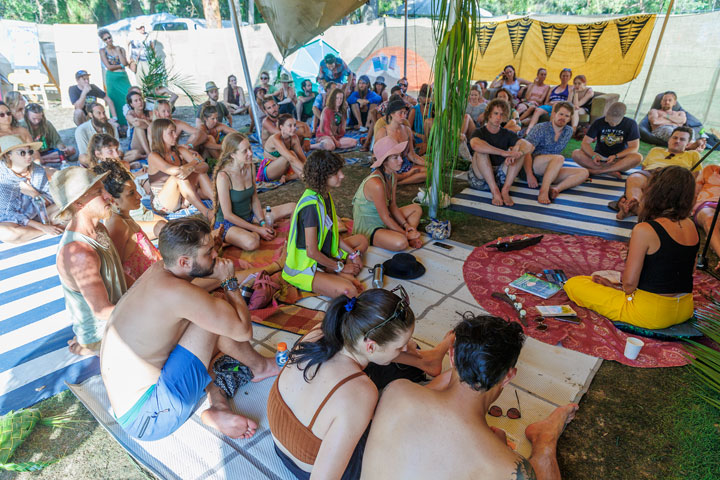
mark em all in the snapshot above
pixel 39 203
pixel 377 281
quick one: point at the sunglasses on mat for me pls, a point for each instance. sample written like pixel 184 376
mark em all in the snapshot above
pixel 512 413
pixel 400 309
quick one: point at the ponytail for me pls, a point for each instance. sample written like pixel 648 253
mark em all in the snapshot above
pixel 347 321
pixel 314 354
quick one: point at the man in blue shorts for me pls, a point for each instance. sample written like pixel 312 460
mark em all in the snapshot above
pixel 498 154
pixel 548 140
pixel 163 335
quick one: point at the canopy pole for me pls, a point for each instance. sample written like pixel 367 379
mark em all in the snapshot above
pixel 405 50
pixel 238 36
pixel 434 191
pixel 652 62
pixel 712 95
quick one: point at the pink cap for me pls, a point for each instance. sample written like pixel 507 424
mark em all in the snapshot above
pixel 386 147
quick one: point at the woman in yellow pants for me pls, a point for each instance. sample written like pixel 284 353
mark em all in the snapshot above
pixel 655 289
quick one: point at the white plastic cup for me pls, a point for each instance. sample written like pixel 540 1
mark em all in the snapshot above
pixel 632 347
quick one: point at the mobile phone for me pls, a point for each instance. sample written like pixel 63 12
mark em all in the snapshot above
pixel 574 320
pixel 443 245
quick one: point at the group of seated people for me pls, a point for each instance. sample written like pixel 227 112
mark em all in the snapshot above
pixel 148 313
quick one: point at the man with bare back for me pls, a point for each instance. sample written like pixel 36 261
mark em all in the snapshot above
pixel 451 411
pixel 163 335
pixel 270 125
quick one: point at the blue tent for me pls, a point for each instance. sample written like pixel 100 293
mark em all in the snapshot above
pixel 307 62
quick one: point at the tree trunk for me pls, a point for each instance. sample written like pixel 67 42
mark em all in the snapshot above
pixel 115 9
pixel 212 13
pixel 136 8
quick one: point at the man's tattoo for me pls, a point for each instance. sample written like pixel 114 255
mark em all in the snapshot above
pixel 523 470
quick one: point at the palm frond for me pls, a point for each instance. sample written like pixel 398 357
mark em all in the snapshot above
pixel 159 74
pixel 705 361
pixel 455 35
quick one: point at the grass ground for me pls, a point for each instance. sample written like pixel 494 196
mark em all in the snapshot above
pixel 633 423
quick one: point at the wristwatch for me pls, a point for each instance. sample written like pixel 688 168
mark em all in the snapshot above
pixel 230 284
pixel 340 266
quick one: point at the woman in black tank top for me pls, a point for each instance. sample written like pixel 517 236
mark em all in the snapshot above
pixel 655 289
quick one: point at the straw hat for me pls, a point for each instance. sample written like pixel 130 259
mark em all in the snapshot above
pixel 71 183
pixel 9 143
pixel 386 147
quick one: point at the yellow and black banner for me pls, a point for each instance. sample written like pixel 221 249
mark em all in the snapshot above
pixel 607 53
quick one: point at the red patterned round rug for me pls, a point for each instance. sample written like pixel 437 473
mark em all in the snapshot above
pixel 486 271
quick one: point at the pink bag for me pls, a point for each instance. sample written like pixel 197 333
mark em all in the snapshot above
pixel 265 290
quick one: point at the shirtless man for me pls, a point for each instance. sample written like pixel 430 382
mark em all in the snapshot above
pixel 196 136
pixel 498 154
pixel 270 124
pixel 163 335
pixel 91 273
pixel 450 410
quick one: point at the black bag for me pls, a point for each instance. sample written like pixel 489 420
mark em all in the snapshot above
pixel 230 375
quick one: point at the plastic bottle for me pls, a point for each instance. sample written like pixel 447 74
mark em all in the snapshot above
pixel 281 356
pixel 268 217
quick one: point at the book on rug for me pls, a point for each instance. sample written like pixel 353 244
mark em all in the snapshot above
pixel 556 310
pixel 537 286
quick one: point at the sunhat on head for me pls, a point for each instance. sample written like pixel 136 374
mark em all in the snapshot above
pixel 380 80
pixel 71 183
pixel 386 147
pixel 210 86
pixel 616 112
pixel 285 78
pixel 364 78
pixel 9 143
pixel 396 106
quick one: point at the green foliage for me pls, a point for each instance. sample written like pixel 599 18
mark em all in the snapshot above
pixel 593 7
pixel 705 360
pixel 158 75
pixel 452 71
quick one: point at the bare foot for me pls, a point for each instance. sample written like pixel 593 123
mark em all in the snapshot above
pixel 617 175
pixel 622 206
pixel 497 200
pixel 717 267
pixel 231 424
pixel 416 242
pixel 544 198
pixel 507 199
pixel 554 192
pixel 547 432
pixel 433 358
pixel 77 349
pixel 267 369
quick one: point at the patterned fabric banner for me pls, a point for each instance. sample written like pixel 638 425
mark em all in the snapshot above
pixel 607 53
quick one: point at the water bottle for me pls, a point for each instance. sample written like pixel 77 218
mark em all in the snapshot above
pixel 377 281
pixel 281 356
pixel 39 203
pixel 268 217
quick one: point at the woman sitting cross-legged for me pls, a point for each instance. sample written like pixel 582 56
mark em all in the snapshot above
pixel 133 245
pixel 331 131
pixel 236 202
pixel 284 157
pixel 375 211
pixel 318 260
pixel 22 217
pixel 655 289
pixel 175 173
pixel 321 404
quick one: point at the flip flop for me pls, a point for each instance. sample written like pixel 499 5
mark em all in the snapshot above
pixel 615 204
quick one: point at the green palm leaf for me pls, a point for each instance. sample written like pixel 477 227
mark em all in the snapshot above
pixel 705 361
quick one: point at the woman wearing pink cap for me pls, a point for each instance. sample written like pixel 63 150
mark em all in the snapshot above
pixel 375 211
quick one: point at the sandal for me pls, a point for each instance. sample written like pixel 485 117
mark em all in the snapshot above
pixel 615 204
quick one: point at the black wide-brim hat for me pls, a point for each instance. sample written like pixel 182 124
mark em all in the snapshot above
pixel 403 266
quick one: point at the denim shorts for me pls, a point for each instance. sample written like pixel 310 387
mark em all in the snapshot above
pixel 168 404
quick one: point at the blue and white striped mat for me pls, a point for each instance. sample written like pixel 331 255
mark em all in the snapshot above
pixel 34 327
pixel 581 210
